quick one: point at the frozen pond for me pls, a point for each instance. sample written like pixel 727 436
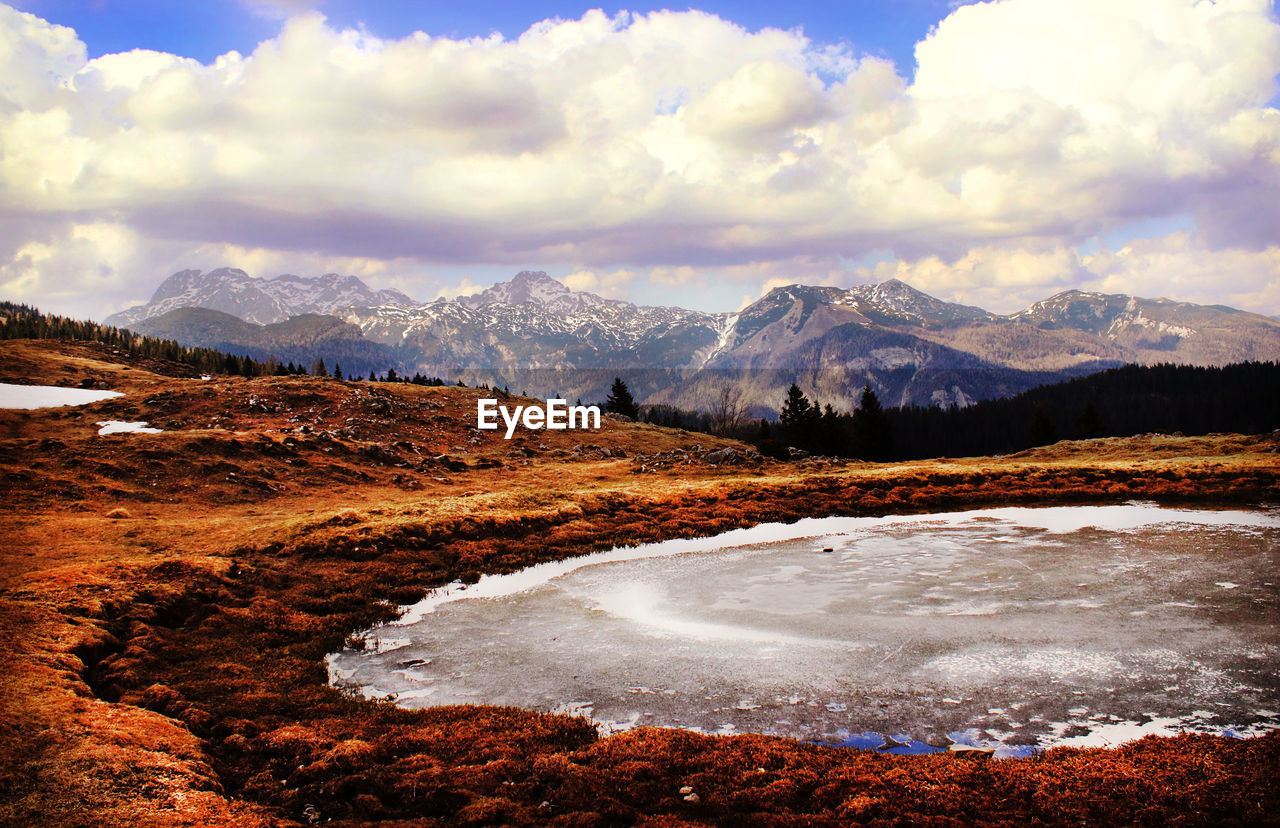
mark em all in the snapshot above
pixel 1006 628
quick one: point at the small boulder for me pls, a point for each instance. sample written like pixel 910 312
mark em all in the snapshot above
pixel 725 456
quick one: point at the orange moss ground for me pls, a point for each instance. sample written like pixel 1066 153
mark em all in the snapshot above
pixel 168 598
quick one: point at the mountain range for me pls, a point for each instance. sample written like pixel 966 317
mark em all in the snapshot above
pixel 534 334
pixel 261 301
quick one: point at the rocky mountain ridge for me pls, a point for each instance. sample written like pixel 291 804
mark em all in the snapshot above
pixel 538 335
pixel 261 301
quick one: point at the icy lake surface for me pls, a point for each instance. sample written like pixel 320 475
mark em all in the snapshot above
pixel 1007 628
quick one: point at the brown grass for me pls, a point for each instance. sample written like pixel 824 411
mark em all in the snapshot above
pixel 167 601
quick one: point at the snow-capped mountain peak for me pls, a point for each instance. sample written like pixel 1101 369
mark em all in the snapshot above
pixel 895 299
pixel 533 287
pixel 261 301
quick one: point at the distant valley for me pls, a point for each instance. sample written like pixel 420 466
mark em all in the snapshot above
pixel 534 334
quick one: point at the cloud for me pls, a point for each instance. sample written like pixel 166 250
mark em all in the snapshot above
pixel 1000 278
pixel 463 287
pixel 67 266
pixel 675 276
pixel 1005 279
pixel 36 58
pixel 655 142
pixel 1177 266
pixel 72 268
pixel 612 285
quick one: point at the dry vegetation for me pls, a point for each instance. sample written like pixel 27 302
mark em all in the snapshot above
pixel 168 598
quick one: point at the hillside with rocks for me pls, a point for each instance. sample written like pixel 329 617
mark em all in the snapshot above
pixel 170 598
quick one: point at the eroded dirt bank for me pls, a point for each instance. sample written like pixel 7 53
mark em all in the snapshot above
pixel 166 619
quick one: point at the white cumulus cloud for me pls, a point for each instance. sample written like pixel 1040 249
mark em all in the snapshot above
pixel 651 143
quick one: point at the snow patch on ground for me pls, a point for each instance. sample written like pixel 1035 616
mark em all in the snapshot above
pixel 122 427
pixel 48 396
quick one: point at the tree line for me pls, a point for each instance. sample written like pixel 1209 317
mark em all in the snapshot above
pixel 1119 402
pixel 865 433
pixel 803 424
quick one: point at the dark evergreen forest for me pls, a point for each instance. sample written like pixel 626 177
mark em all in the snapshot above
pixel 1119 402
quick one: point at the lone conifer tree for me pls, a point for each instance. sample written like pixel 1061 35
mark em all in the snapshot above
pixel 797 411
pixel 337 370
pixel 620 400
pixel 799 418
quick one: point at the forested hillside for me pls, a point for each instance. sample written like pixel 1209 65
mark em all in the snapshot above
pixel 1133 399
pixel 1120 402
pixel 25 322
pixel 19 321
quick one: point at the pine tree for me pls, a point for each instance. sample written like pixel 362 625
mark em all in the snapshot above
pixel 800 419
pixel 337 370
pixel 620 400
pixel 1042 431
pixel 872 436
pixel 1089 424
pixel 796 409
pixel 829 441
pixel 318 369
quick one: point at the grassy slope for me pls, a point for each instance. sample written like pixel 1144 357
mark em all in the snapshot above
pixel 167 600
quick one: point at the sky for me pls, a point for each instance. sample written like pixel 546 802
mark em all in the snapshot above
pixel 992 153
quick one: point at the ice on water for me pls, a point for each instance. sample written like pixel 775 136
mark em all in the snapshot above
pixel 1011 627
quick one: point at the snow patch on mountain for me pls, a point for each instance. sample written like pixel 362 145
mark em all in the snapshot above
pixel 895 298
pixel 886 335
